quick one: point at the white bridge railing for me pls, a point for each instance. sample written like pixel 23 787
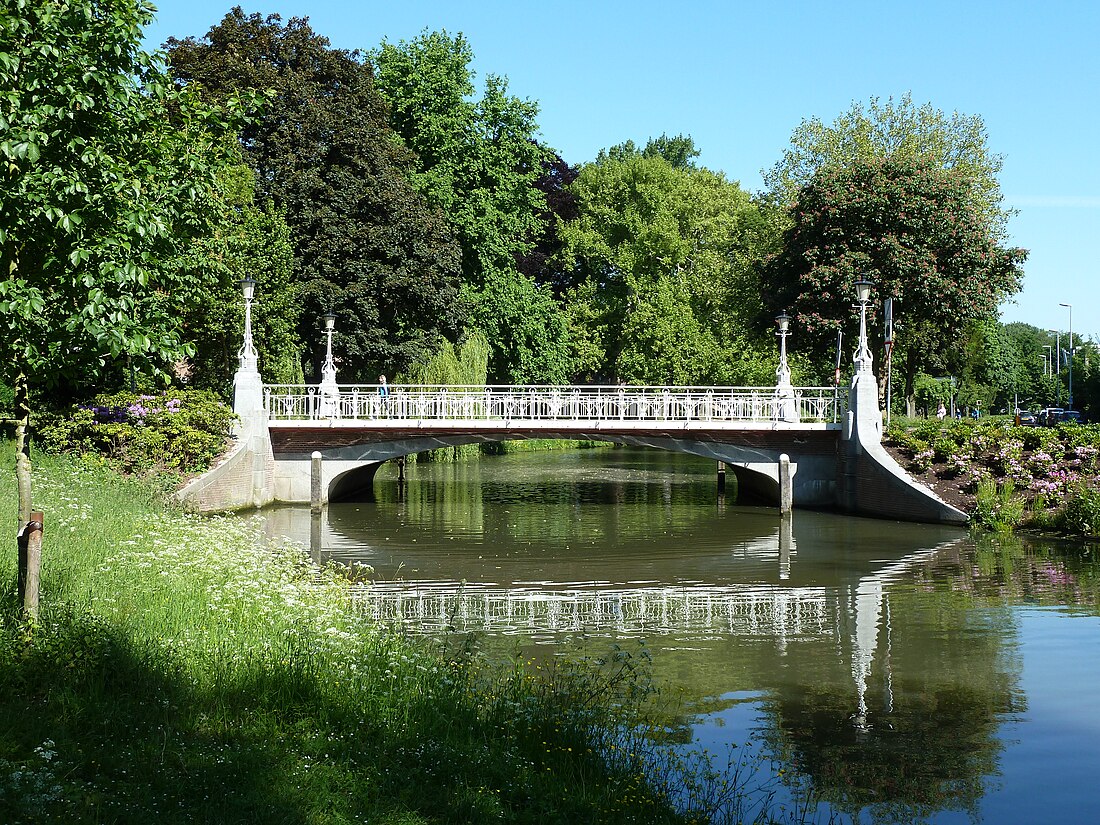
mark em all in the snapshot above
pixel 365 402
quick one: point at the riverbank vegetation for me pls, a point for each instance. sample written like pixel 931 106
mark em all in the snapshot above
pixel 1007 477
pixel 189 669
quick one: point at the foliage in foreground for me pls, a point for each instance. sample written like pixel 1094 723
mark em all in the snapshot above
pixel 182 671
pixel 177 431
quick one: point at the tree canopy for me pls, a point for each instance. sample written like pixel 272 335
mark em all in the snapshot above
pixel 910 227
pixel 662 261
pixel 367 245
pixel 898 130
pixel 478 160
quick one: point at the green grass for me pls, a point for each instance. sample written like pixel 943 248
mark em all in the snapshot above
pixel 183 671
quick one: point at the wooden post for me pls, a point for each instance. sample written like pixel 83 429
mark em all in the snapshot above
pixel 30 563
pixel 315 497
pixel 721 478
pixel 786 491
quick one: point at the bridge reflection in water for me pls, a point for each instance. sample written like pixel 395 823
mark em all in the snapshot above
pixel 435 606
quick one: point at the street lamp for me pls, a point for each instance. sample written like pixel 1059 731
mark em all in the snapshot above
pixel 1070 308
pixel 783 372
pixel 784 392
pixel 1046 359
pixel 248 358
pixel 328 369
pixel 862 358
pixel 1057 333
pixel 329 390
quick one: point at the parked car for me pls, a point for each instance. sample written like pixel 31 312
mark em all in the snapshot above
pixel 1071 417
pixel 1026 419
pixel 1050 416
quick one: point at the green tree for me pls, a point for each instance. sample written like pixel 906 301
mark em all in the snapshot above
pixel 913 229
pixel 108 169
pixel 527 331
pixel 898 130
pixel 658 251
pixel 249 241
pixel 368 246
pixel 476 160
pixel 480 162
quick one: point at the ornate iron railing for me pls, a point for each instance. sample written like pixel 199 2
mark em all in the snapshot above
pixel 366 402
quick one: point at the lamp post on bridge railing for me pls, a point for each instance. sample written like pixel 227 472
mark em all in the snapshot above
pixel 862 359
pixel 247 384
pixel 784 392
pixel 328 388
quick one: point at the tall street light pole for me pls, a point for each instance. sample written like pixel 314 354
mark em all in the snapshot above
pixel 1070 308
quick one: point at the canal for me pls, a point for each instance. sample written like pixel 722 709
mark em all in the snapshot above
pixel 897 672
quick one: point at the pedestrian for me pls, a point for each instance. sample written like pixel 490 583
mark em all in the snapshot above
pixel 383 389
pixel 941 413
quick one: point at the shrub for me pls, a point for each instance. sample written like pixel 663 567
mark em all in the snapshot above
pixel 1082 512
pixel 997 506
pixel 179 431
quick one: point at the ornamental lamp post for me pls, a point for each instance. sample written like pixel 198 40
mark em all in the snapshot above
pixel 248 386
pixel 248 358
pixel 783 372
pixel 784 392
pixel 1070 308
pixel 862 358
pixel 329 391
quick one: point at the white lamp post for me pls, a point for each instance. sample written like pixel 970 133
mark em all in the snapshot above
pixel 248 358
pixel 784 392
pixel 248 388
pixel 1070 308
pixel 329 391
pixel 783 372
pixel 862 358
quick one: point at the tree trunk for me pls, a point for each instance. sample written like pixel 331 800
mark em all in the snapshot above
pixel 28 539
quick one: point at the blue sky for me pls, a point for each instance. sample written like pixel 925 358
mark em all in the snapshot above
pixel 739 77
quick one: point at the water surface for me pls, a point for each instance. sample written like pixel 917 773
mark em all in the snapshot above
pixel 903 672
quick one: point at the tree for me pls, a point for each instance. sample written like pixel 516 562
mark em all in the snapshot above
pixel 913 229
pixel 679 151
pixel 900 131
pixel 479 161
pixel 658 252
pixel 526 329
pixel 367 244
pixel 249 241
pixel 108 169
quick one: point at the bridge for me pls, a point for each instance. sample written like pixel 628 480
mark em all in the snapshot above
pixel 755 432
pixel 813 447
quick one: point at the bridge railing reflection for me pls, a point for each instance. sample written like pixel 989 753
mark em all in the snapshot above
pixel 745 611
pixel 367 402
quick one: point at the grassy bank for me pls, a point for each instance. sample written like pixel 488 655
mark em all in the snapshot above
pixel 182 672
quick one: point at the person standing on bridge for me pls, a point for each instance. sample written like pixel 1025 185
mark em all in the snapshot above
pixel 383 389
